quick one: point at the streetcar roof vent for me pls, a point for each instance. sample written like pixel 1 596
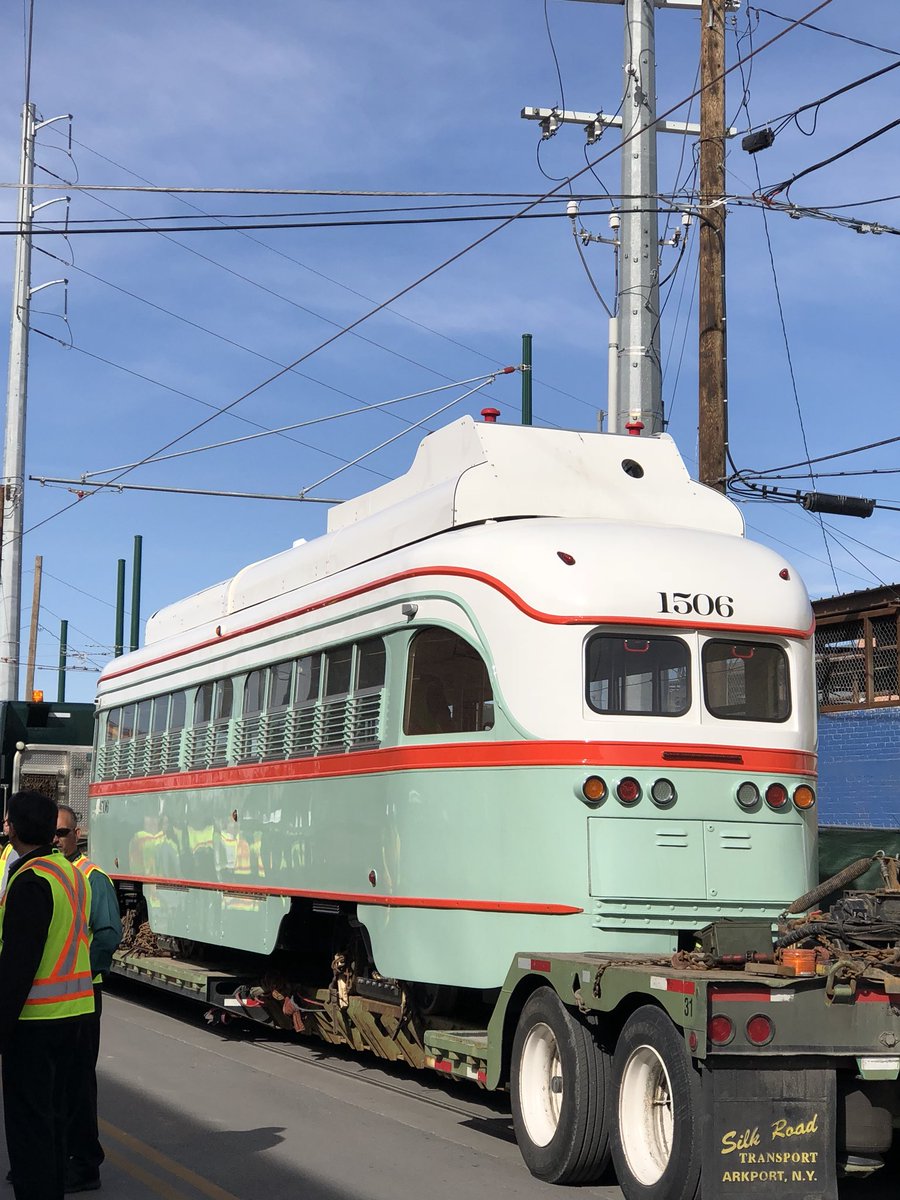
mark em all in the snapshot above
pixel 468 472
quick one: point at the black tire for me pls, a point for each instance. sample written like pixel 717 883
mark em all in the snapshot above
pixel 562 1127
pixel 656 1147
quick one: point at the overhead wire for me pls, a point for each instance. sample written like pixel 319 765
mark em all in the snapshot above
pixel 339 283
pixel 449 261
pixel 781 317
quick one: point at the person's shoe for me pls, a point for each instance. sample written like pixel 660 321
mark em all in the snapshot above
pixel 82 1183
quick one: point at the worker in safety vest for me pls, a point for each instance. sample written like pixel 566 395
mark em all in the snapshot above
pixel 7 857
pixel 85 1154
pixel 45 996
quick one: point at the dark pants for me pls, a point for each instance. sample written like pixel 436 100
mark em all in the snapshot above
pixel 83 1140
pixel 37 1069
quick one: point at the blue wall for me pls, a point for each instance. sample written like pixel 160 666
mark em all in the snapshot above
pixel 859 768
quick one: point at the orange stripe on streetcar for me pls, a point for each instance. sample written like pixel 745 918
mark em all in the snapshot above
pixel 451 755
pixel 477 577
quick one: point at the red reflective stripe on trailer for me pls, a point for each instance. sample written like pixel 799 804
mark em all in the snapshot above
pixel 540 964
pixel 454 755
pixel 443 1064
pixel 476 577
pixel 750 995
pixel 685 987
pixel 442 902
pixel 867 996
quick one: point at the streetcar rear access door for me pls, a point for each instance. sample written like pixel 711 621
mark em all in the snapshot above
pixel 714 862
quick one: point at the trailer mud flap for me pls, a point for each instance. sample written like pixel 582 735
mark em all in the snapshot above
pixel 768 1133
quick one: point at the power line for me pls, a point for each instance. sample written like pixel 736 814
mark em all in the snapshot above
pixel 830 32
pixel 455 257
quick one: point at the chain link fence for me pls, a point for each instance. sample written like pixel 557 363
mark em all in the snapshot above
pixel 856 662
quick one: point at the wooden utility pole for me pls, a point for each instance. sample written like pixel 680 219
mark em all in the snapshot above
pixel 35 617
pixel 713 399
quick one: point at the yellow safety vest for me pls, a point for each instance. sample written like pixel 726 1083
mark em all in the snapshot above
pixel 87 868
pixel 4 855
pixel 62 986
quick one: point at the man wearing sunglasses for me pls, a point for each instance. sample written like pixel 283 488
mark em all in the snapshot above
pixel 45 996
pixel 83 1140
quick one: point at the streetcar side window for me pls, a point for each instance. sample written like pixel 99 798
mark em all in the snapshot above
pixel 640 676
pixel 160 715
pixel 224 699
pixel 254 693
pixel 746 681
pixel 448 689
pixel 203 702
pixel 177 711
pixel 371 661
pixel 113 723
pixel 307 679
pixel 280 677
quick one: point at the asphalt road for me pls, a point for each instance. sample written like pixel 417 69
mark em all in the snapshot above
pixel 192 1113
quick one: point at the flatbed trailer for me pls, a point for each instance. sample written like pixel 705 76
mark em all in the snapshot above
pixel 743 1075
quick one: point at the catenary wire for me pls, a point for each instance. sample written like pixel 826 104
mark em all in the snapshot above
pixel 453 258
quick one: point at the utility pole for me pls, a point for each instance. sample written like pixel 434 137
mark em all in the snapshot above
pixel 639 390
pixel 35 618
pixel 634 372
pixel 14 442
pixel 713 382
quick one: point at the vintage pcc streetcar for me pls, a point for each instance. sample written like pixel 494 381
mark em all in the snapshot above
pixel 536 702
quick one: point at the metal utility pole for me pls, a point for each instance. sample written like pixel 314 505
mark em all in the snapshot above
pixel 639 390
pixel 526 378
pixel 63 652
pixel 713 397
pixel 120 607
pixel 136 592
pixel 14 442
pixel 35 618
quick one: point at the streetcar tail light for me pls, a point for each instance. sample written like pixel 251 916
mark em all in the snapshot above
pixel 628 790
pixel 776 795
pixel 663 793
pixel 720 1030
pixel 760 1030
pixel 594 789
pixel 804 796
pixel 748 795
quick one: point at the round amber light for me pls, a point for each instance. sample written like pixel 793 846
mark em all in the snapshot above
pixel 804 796
pixel 594 789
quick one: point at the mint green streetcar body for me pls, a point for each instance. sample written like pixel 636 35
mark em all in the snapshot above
pixel 394 723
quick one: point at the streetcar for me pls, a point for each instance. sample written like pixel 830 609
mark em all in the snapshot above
pixel 538 691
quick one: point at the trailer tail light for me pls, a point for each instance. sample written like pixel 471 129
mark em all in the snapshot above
pixel 594 789
pixel 804 796
pixel 628 790
pixel 748 795
pixel 760 1030
pixel 776 795
pixel 720 1030
pixel 663 793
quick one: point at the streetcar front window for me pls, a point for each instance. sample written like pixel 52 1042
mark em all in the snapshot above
pixel 638 675
pixel 746 681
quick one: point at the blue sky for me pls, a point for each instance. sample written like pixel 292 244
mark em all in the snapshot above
pixel 415 97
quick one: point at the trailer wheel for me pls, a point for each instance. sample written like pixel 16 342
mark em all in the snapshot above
pixel 655 1136
pixel 560 1092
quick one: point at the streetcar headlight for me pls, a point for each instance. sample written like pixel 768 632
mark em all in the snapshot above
pixel 748 795
pixel 663 793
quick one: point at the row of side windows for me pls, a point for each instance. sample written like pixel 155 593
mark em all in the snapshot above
pixel 329 702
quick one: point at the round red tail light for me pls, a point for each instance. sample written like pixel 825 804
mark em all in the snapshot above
pixel 628 790
pixel 760 1030
pixel 720 1030
pixel 776 795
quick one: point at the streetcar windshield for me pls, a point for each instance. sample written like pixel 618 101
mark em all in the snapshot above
pixel 746 681
pixel 649 675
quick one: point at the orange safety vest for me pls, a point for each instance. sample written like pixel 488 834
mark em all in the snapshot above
pixel 62 985
pixel 87 868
